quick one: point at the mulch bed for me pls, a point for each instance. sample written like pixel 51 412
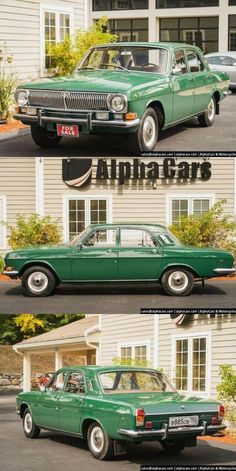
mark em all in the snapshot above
pixel 12 125
pixel 227 440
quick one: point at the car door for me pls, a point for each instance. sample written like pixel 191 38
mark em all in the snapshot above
pixel 139 255
pixel 182 86
pixel 71 402
pixel 224 63
pixel 96 259
pixel 48 405
pixel 203 80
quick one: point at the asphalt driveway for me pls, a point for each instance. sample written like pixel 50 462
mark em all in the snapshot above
pixel 56 452
pixel 116 299
pixel 184 137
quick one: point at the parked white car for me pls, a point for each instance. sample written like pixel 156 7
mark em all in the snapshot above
pixel 224 62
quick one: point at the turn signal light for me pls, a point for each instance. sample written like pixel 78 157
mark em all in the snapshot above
pixel 7 268
pixel 140 416
pixel 130 116
pixel 221 412
pixel 148 425
pixel 214 420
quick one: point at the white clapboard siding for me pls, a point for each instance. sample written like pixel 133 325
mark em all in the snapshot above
pixel 20 29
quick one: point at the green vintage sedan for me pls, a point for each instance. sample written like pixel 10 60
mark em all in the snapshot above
pixel 118 253
pixel 112 406
pixel 133 88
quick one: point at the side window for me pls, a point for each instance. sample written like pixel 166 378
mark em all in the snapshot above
pixel 136 238
pixel 101 238
pixel 57 384
pixel 75 383
pixel 194 61
pixel 179 61
pixel 227 61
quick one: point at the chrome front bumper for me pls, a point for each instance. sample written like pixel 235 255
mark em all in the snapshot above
pixel 11 274
pixel 87 120
pixel 225 271
pixel 167 432
pixel 227 92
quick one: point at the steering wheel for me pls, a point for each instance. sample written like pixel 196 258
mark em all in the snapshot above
pixel 148 64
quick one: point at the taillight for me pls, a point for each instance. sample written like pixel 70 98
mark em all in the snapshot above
pixel 140 416
pixel 221 412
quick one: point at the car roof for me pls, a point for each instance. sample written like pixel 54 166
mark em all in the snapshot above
pixel 101 369
pixel 168 45
pixel 129 224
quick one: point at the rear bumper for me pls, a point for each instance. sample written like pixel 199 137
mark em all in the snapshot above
pixel 12 274
pixel 166 432
pixel 86 120
pixel 225 271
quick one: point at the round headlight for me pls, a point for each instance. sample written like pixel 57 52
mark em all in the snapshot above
pixel 21 97
pixel 118 103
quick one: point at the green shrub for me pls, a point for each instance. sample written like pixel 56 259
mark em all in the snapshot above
pixel 7 81
pixel 1 264
pixel 69 52
pixel 211 229
pixel 227 391
pixel 36 230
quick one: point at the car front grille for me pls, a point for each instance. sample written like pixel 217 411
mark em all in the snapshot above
pixel 70 101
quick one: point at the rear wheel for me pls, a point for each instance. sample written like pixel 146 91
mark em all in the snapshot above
pixel 99 443
pixel 177 282
pixel 38 281
pixel 44 138
pixel 30 428
pixel 174 446
pixel 146 136
pixel 207 119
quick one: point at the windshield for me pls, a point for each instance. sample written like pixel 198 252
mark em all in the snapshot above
pixel 78 238
pixel 130 381
pixel 130 58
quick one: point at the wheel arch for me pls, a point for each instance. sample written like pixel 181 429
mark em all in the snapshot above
pixel 216 95
pixel 159 109
pixel 23 407
pixel 41 264
pixel 179 266
pixel 86 424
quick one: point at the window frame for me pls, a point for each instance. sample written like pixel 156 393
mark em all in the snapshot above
pixel 190 198
pixel 87 199
pixel 190 337
pixel 57 9
pixel 3 219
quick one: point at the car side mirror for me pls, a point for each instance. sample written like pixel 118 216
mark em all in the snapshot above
pixel 176 71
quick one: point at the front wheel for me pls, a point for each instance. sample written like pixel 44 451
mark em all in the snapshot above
pixel 44 138
pixel 207 119
pixel 30 428
pixel 99 443
pixel 38 281
pixel 146 136
pixel 174 446
pixel 177 282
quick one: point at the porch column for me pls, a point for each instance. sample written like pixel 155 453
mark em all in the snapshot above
pixel 58 359
pixel 26 372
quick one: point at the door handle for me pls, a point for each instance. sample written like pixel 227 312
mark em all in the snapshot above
pixel 155 251
pixel 111 251
pixel 190 79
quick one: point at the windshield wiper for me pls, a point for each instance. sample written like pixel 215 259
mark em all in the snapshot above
pixel 88 68
pixel 117 66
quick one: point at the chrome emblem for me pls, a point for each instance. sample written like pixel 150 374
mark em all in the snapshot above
pixel 65 95
pixel 182 407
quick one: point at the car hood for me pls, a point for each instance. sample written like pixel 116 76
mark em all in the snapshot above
pixel 39 249
pixel 104 81
pixel 163 403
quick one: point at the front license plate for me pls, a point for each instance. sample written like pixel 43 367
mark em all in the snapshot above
pixel 68 130
pixel 183 421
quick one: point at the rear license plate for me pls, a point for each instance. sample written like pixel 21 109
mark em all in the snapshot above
pixel 68 130
pixel 183 421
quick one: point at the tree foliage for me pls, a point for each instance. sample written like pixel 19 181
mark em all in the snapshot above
pixel 67 54
pixel 14 329
pixel 36 230
pixel 212 229
pixel 227 387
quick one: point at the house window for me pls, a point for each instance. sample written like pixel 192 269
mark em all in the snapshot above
pixel 81 212
pixel 103 5
pixel 130 30
pixel 187 3
pixel 199 31
pixel 134 353
pixel 232 32
pixel 2 221
pixel 191 366
pixel 232 3
pixel 184 206
pixel 57 25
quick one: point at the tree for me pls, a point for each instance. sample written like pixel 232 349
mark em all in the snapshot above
pixel 29 325
pixel 67 54
pixel 211 229
pixel 36 230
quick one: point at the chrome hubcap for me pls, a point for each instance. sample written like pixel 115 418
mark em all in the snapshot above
pixel 149 131
pixel 38 281
pixel 28 423
pixel 211 110
pixel 178 281
pixel 97 439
